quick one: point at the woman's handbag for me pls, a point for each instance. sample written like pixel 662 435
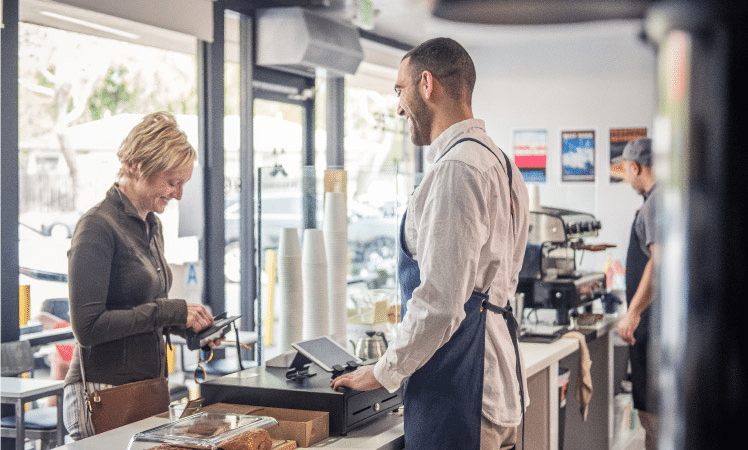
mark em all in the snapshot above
pixel 121 405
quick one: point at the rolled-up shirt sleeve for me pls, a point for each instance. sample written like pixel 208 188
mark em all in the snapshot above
pixel 450 216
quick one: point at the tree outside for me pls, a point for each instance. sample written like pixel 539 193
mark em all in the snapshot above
pixel 68 79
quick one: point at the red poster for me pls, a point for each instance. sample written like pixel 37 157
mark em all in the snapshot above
pixel 530 153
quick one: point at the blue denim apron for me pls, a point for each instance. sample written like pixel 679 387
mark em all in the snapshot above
pixel 443 399
pixel 636 260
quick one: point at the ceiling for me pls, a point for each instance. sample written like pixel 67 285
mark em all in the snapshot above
pixel 520 21
pixel 407 22
pixel 404 23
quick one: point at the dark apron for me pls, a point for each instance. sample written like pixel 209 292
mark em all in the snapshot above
pixel 636 260
pixel 443 400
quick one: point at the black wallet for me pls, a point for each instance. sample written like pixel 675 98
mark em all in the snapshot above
pixel 220 327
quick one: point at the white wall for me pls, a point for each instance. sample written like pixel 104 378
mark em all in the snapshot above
pixel 599 79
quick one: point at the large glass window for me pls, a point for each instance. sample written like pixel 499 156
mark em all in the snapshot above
pixel 380 171
pixel 277 146
pixel 379 166
pixel 79 96
pixel 378 158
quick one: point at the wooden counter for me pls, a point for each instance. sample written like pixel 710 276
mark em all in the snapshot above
pixel 542 362
pixel 384 434
pixel 541 424
pixel 541 417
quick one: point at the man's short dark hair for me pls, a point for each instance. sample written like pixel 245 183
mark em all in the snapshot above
pixel 448 62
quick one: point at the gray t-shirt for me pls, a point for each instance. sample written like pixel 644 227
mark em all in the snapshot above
pixel 644 225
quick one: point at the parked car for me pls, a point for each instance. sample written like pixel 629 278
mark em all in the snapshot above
pixel 43 265
pixel 56 224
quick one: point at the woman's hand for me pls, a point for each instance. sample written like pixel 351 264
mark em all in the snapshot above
pixel 216 342
pixel 198 317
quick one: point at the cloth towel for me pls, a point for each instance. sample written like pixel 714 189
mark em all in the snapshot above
pixel 584 379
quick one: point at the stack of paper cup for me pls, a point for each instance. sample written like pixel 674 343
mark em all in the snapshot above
pixel 290 292
pixel 314 280
pixel 336 247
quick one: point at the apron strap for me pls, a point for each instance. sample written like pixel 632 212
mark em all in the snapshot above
pixel 512 325
pixel 508 166
pixel 506 312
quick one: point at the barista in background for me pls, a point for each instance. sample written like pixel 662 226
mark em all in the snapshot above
pixel 634 327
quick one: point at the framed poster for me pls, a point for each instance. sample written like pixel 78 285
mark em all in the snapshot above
pixel 530 154
pixel 619 137
pixel 578 155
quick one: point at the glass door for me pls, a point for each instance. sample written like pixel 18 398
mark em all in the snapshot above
pixel 268 137
pixel 278 139
pixel 79 96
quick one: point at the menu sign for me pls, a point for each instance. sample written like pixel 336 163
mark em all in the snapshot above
pixel 578 155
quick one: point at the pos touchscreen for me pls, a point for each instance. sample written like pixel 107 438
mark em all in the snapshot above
pixel 325 352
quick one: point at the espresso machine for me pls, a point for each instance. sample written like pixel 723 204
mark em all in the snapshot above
pixel 549 278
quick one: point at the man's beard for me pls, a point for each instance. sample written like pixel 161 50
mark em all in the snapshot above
pixel 421 132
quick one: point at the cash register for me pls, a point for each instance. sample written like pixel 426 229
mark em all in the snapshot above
pixel 305 384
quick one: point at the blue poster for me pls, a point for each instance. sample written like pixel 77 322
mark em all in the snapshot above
pixel 578 155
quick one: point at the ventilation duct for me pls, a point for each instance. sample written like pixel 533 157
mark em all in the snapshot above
pixel 299 41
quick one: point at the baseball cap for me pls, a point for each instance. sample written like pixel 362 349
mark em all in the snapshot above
pixel 639 150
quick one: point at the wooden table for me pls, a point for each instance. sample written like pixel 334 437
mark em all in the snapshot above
pixel 19 391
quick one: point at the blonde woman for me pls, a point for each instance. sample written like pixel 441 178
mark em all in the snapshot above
pixel 118 277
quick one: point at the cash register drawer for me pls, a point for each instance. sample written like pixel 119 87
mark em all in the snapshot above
pixel 263 386
pixel 361 407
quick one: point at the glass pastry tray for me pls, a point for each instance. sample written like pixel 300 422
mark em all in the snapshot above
pixel 203 429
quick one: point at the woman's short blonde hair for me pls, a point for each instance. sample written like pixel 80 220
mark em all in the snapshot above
pixel 155 145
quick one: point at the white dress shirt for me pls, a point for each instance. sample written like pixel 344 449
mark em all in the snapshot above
pixel 459 229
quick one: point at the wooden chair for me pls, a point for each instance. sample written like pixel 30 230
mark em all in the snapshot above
pixel 39 423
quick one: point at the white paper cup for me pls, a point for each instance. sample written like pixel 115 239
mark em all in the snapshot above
pixel 313 247
pixel 314 281
pixel 336 217
pixel 288 245
pixel 290 304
